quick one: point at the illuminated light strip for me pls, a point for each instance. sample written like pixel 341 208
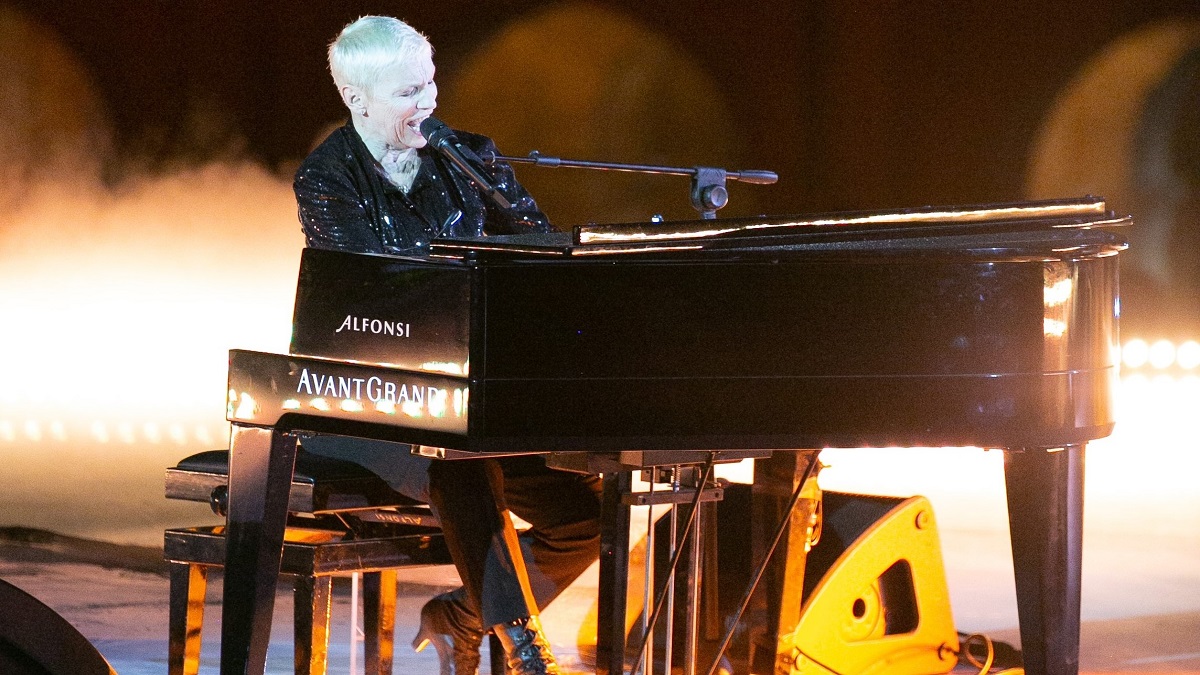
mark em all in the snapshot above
pixel 1188 355
pixel 125 433
pixel 33 430
pixel 1135 353
pixel 203 435
pixel 100 432
pixel 1160 355
pixel 607 233
pixel 651 249
pixel 97 431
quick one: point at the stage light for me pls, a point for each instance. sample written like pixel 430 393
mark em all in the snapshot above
pixel 33 430
pixel 151 432
pixel 203 435
pixel 100 432
pixel 1162 354
pixel 125 432
pixel 1188 355
pixel 1135 353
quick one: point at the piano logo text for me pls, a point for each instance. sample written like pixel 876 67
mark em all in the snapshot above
pixel 374 388
pixel 362 324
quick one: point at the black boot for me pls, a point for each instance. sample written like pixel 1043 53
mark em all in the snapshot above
pixel 454 632
pixel 526 647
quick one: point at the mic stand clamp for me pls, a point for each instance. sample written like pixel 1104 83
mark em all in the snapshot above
pixel 708 191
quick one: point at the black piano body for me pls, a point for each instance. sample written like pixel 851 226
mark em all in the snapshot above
pixel 991 326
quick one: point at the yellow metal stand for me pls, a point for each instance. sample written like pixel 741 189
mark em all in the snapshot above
pixel 883 605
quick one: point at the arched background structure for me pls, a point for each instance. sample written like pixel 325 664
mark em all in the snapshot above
pixel 596 85
pixel 1121 129
pixel 53 119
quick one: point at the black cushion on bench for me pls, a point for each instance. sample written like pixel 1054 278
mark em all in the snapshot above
pixel 319 484
pixel 310 468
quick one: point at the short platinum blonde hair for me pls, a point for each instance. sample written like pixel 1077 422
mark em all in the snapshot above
pixel 369 46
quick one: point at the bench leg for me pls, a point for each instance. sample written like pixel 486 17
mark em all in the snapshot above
pixel 312 600
pixel 188 586
pixel 379 620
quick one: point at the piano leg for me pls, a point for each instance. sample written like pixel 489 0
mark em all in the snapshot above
pixel 774 480
pixel 1045 513
pixel 614 574
pixel 261 462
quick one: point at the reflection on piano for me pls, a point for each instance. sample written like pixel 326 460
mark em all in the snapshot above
pixel 992 326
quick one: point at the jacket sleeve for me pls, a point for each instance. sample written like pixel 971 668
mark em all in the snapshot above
pixel 524 216
pixel 332 212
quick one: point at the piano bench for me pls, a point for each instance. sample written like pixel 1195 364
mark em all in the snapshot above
pixel 312 557
pixel 342 519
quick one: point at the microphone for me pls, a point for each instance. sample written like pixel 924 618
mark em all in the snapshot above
pixel 442 138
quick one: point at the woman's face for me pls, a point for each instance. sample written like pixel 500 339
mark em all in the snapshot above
pixel 401 99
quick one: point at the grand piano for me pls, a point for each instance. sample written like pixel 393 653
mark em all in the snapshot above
pixel 992 326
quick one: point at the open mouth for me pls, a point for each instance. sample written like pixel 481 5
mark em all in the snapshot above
pixel 414 124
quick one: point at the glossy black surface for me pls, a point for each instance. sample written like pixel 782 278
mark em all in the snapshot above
pixel 299 393
pixel 1001 334
pixel 994 339
pixel 1045 518
pixel 383 310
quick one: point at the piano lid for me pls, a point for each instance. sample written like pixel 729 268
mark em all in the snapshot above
pixel 905 228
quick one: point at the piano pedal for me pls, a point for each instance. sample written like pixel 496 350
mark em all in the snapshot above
pixel 876 599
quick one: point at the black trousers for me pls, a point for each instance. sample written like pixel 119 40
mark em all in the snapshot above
pixel 506 576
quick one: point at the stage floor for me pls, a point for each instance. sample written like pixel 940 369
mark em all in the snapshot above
pixel 122 609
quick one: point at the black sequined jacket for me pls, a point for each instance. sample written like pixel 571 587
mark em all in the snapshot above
pixel 346 201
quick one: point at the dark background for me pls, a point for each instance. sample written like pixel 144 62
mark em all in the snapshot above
pixel 856 104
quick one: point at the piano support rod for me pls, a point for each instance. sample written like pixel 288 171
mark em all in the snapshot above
pixel 674 564
pixel 762 566
pixel 648 571
pixel 692 645
pixel 669 647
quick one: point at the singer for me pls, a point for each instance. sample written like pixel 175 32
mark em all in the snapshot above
pixel 377 185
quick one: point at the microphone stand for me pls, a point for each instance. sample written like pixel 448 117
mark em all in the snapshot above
pixel 708 183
